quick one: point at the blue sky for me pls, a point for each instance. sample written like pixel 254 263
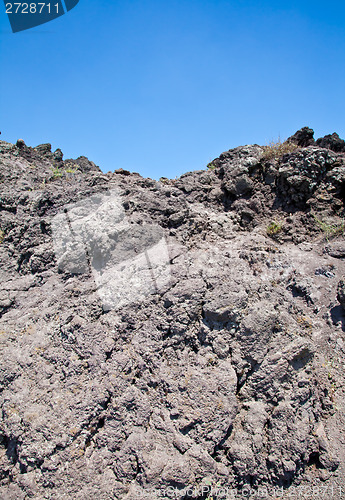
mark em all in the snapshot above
pixel 163 87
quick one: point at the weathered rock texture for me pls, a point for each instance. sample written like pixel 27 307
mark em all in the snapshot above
pixel 226 373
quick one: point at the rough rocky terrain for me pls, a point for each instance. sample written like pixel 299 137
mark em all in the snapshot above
pixel 181 338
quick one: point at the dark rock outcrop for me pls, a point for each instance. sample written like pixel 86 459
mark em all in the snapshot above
pixel 333 142
pixel 303 137
pixel 341 292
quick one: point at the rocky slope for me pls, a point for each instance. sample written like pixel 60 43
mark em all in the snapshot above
pixel 173 339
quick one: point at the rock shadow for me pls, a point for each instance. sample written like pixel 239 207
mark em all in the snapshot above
pixel 338 316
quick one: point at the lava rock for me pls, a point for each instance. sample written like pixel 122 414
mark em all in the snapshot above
pixel 58 155
pixel 303 137
pixel 44 148
pixel 154 336
pixel 333 142
pixel 341 292
pixel 20 143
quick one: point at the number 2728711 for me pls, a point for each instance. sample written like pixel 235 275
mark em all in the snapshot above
pixel 32 8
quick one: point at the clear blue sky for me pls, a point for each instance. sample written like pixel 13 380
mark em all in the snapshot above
pixel 163 87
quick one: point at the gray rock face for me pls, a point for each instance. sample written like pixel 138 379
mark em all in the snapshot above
pixel 165 339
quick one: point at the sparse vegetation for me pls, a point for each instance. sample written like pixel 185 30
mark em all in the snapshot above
pixel 70 170
pixel 274 228
pixel 276 149
pixel 211 166
pixel 56 172
pixel 2 236
pixel 331 230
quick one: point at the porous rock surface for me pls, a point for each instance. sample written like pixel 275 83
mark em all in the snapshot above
pixel 187 337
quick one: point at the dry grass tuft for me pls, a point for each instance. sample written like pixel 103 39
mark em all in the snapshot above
pixel 276 149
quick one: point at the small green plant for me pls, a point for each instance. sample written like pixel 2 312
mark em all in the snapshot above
pixel 331 230
pixel 2 236
pixel 214 490
pixel 70 170
pixel 276 149
pixel 211 166
pixel 56 172
pixel 274 228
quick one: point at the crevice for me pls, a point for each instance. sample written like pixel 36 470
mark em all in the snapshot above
pixel 94 429
pixel 220 446
pixel 242 379
pixel 138 470
pixel 301 359
pixel 3 310
pixel 314 460
pixel 342 192
pixel 299 290
pixel 11 446
pixel 45 228
pixel 187 428
pixel 23 259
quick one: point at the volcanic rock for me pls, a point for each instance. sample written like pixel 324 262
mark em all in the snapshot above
pixel 162 339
